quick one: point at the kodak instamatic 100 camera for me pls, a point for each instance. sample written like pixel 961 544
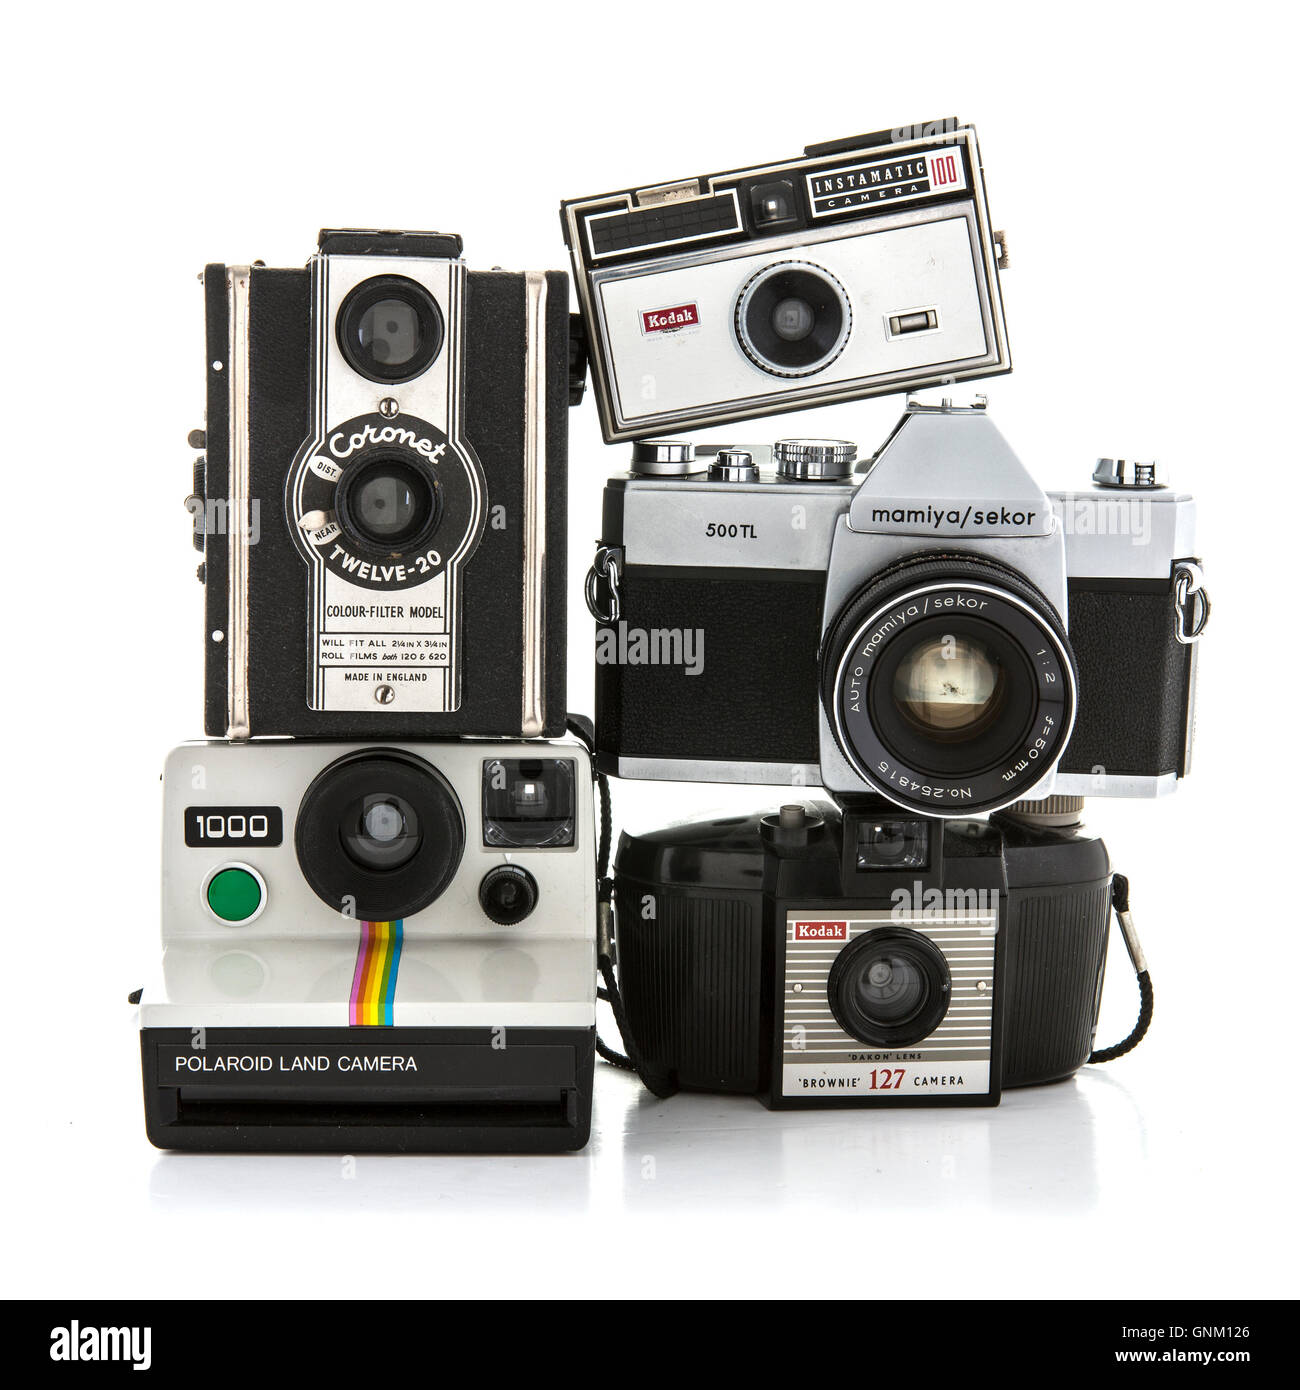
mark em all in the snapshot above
pixel 374 947
pixel 381 501
pixel 930 625
pixel 864 266
pixel 816 956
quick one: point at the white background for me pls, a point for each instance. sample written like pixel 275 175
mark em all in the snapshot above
pixel 1144 164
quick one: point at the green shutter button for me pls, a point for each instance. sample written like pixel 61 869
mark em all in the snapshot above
pixel 234 894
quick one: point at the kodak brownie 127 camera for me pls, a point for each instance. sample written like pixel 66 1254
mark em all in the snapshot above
pixel 381 504
pixel 821 956
pixel 868 265
pixel 932 626
pixel 379 947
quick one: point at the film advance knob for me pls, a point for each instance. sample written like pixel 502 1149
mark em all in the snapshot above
pixel 733 466
pixel 814 458
pixel 663 458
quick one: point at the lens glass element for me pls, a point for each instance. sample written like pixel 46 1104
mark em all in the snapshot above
pixel 389 332
pixel 380 831
pixel 389 328
pixel 950 688
pixel 792 318
pixel 387 503
pixel 889 987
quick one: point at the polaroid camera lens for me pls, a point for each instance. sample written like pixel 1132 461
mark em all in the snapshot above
pixel 389 328
pixel 387 504
pixel 379 833
pixel 793 318
pixel 889 987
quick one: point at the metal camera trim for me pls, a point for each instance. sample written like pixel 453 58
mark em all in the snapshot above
pixel 939 810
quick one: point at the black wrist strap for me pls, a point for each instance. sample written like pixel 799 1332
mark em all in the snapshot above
pixel 1119 901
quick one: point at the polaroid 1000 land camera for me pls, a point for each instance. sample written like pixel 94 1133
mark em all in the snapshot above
pixel 374 947
pixel 381 503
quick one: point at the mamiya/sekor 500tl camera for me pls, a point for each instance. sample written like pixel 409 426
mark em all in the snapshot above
pixel 819 956
pixel 931 626
pixel 374 947
pixel 867 265
pixel 381 504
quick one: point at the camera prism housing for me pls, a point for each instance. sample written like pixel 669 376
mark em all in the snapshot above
pixel 381 500
pixel 865 266
pixel 383 947
pixel 928 625
pixel 819 957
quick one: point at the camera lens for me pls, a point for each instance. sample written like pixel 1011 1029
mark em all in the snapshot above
pixel 949 685
pixel 889 987
pixel 387 503
pixel 389 328
pixel 951 688
pixel 793 318
pixel 379 833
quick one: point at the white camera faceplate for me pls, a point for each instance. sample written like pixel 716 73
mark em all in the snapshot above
pixel 295 961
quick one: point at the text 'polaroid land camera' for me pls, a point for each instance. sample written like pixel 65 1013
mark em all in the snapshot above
pixel 928 625
pixel 374 947
pixel 382 500
pixel 825 956
pixel 867 265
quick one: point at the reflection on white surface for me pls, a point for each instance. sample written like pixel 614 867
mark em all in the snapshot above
pixel 1037 1151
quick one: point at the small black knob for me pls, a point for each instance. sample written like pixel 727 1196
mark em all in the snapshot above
pixel 507 894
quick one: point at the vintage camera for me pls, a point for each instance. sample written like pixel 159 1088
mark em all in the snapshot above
pixel 374 947
pixel 868 265
pixel 816 957
pixel 381 501
pixel 930 626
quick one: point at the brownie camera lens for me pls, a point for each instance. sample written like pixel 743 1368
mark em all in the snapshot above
pixel 890 987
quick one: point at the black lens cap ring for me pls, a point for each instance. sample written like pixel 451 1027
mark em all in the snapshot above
pixel 341 878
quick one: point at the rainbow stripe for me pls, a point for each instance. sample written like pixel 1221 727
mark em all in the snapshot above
pixel 374 982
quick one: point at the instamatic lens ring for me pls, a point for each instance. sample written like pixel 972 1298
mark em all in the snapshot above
pixel 889 987
pixel 949 685
pixel 389 328
pixel 793 318
pixel 380 831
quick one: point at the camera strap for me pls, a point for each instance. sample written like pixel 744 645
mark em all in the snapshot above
pixel 656 1081
pixel 1119 901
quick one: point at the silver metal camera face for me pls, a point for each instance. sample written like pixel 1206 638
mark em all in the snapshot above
pixel 273 861
pixel 884 1004
pixel 868 271
pixel 386 499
